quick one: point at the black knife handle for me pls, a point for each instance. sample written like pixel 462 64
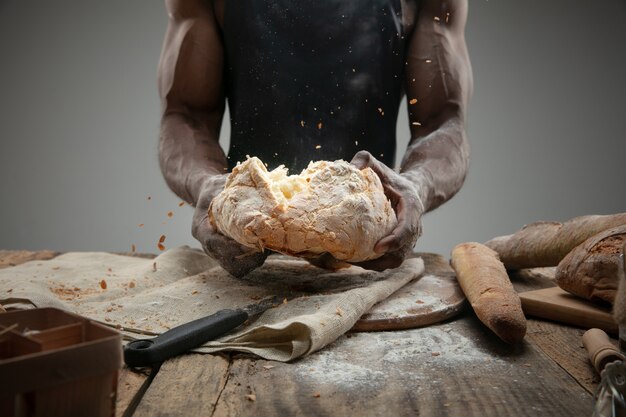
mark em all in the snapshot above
pixel 182 338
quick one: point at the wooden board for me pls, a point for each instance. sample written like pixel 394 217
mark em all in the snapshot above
pixel 540 374
pixel 558 305
pixel 452 369
pixel 433 298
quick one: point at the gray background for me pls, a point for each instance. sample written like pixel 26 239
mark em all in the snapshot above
pixel 79 117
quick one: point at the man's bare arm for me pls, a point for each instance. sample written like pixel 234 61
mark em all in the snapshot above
pixel 438 85
pixel 191 89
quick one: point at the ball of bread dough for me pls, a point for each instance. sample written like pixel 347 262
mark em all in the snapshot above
pixel 331 207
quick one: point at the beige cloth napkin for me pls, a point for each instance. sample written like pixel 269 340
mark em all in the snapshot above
pixel 144 297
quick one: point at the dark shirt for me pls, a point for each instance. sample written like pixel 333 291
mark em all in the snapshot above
pixel 309 80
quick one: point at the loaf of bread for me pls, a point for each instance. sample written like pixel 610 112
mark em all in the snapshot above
pixel 331 207
pixel 591 269
pixel 546 243
pixel 486 285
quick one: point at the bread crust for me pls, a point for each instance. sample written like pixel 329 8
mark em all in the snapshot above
pixel 591 269
pixel 331 207
pixel 486 285
pixel 542 244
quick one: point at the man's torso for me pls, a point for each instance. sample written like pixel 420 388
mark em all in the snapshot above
pixel 311 80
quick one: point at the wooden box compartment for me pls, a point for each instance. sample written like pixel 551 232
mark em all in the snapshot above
pixel 55 363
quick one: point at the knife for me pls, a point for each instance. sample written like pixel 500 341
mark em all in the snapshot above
pixel 180 339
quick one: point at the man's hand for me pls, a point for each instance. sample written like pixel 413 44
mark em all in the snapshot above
pixel 408 206
pixel 237 259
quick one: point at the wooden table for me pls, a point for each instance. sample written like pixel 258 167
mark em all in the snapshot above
pixel 456 368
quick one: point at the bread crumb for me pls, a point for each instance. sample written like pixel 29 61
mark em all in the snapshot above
pixel 318 147
pixel 339 311
pixel 170 214
pixel 319 125
pixel 131 284
pixel 107 319
pixel 182 203
pixel 302 123
pixel 413 101
pixel 140 225
pixel 194 293
pixel 251 397
pixel 317 394
pixel 103 284
pixel 268 367
pixel 419 302
pixel 527 365
pixel 435 353
pixel 160 244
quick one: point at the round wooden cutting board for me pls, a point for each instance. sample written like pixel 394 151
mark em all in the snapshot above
pixel 434 297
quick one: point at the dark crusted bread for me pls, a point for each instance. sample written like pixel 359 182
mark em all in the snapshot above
pixel 592 268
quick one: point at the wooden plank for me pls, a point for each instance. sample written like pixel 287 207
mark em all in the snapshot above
pixel 128 383
pixel 563 307
pixel 532 279
pixel 433 298
pixel 564 345
pixel 188 385
pixel 457 368
pixel 561 343
pixel 400 366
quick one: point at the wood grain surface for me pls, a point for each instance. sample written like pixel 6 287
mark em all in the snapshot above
pixel 449 369
pixel 454 368
pixel 558 305
pixel 433 298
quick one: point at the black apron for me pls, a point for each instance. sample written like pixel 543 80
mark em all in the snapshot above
pixel 309 80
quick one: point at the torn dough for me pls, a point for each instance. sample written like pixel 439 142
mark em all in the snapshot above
pixel 331 207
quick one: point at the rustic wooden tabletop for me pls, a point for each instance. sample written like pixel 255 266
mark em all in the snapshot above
pixel 456 368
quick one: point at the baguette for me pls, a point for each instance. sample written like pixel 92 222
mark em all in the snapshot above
pixel 489 290
pixel 547 243
pixel 486 285
pixel 591 269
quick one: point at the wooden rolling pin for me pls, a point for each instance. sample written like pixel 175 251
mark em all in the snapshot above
pixel 600 349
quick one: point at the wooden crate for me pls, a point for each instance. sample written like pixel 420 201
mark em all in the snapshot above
pixel 54 363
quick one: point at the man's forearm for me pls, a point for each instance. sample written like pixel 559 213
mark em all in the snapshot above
pixel 437 163
pixel 189 153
